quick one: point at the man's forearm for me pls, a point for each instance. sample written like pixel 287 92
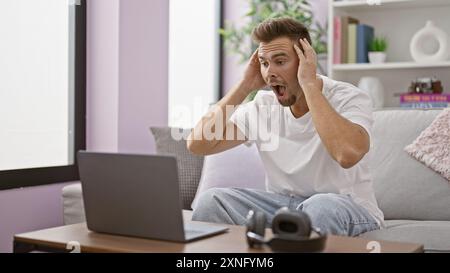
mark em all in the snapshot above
pixel 345 141
pixel 216 119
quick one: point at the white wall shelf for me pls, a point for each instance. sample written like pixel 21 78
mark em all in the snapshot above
pixel 398 21
pixel 370 5
pixel 392 65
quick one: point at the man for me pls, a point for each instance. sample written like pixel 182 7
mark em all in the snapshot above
pixel 320 161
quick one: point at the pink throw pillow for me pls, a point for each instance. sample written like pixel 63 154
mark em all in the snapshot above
pixel 432 146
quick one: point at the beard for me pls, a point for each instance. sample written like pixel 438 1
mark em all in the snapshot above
pixel 289 101
pixel 286 96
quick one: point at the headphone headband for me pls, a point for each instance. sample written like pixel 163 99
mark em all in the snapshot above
pixel 292 232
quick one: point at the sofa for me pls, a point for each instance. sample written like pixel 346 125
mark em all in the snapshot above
pixel 415 199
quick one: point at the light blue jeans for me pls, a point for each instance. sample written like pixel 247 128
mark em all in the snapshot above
pixel 333 213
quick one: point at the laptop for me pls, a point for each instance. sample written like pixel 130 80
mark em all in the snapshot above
pixel 136 195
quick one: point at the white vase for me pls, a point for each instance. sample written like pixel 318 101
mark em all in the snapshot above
pixel 430 32
pixel 376 57
pixel 374 88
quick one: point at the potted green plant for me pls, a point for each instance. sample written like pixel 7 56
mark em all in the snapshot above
pixel 377 50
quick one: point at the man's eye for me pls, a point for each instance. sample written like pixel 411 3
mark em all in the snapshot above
pixel 280 62
pixel 265 64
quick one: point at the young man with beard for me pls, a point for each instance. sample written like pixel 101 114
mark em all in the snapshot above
pixel 320 161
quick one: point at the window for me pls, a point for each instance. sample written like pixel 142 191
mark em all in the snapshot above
pixel 42 90
pixel 194 59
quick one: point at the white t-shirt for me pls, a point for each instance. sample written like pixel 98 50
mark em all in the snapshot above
pixel 294 157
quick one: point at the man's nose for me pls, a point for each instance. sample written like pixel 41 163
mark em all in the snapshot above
pixel 271 72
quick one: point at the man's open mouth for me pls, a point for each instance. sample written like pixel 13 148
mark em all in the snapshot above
pixel 280 90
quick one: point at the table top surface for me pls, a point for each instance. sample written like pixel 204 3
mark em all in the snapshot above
pixel 232 241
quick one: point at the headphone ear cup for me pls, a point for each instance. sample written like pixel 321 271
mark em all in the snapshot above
pixel 260 223
pixel 256 223
pixel 307 225
pixel 292 223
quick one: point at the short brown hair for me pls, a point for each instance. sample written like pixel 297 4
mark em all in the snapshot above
pixel 271 29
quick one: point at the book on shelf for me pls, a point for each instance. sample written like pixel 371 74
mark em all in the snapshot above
pixel 351 40
pixel 364 34
pixel 351 45
pixel 337 37
pixel 340 37
pixel 424 105
pixel 417 98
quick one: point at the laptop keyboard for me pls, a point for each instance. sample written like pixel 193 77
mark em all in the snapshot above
pixel 194 228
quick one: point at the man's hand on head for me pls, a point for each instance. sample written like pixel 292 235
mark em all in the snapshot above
pixel 253 79
pixel 307 66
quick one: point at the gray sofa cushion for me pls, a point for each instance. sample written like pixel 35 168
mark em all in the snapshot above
pixel 225 170
pixel 189 165
pixel 404 187
pixel 433 235
pixel 73 206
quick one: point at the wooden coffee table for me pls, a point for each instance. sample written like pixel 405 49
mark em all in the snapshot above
pixel 233 241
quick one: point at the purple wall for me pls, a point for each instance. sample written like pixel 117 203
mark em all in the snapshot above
pixel 102 75
pixel 127 74
pixel 27 209
pixel 143 81
pixel 232 69
pixel 126 93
